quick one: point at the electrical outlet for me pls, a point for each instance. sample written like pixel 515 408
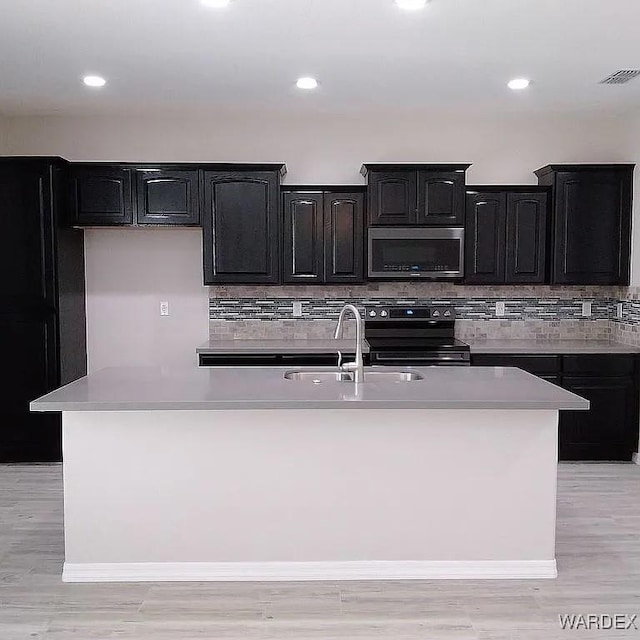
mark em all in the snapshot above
pixel 297 309
pixel 619 310
pixel 164 308
pixel 586 309
pixel 500 309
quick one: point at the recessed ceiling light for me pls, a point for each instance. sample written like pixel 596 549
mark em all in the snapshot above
pixel 411 5
pixel 518 83
pixel 306 83
pixel 216 4
pixel 94 81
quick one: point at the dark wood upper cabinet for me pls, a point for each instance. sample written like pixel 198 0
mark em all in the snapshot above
pixel 485 238
pixel 323 239
pixel 344 237
pixel 167 196
pixel 591 223
pixel 241 225
pixel 116 195
pixel 392 198
pixel 526 237
pixel 303 237
pixel 101 195
pixel 441 197
pixel 416 195
pixel 506 235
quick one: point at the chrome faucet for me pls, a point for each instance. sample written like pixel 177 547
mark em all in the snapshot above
pixel 358 366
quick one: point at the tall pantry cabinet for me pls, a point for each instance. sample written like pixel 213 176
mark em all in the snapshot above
pixel 42 303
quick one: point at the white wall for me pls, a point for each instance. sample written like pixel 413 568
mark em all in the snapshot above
pixel 632 140
pixel 128 272
pixel 3 136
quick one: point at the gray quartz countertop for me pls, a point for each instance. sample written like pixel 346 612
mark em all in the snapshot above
pixel 550 346
pixel 224 388
pixel 294 345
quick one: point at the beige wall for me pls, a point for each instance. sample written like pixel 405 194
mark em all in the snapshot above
pixel 129 272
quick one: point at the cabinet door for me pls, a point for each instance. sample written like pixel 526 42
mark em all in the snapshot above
pixel 485 238
pixel 27 271
pixel 605 432
pixel 303 243
pixel 592 227
pixel 167 197
pixel 441 198
pixel 344 237
pixel 29 346
pixel 101 196
pixel 392 197
pixel 241 227
pixel 526 237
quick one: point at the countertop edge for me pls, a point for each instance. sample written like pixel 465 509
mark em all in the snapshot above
pixel 49 407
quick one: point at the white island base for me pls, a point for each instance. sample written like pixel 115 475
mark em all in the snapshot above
pixel 333 494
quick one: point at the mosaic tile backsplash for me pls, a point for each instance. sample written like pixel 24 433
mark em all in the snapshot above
pixel 541 312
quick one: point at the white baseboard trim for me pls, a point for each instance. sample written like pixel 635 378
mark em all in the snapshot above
pixel 298 571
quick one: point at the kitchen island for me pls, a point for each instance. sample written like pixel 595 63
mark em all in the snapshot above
pixel 243 474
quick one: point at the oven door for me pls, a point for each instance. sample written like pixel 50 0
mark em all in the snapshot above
pixel 414 252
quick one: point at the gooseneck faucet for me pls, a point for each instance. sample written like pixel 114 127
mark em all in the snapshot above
pixel 358 366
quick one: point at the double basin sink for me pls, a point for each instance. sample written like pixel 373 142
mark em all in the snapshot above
pixel 337 375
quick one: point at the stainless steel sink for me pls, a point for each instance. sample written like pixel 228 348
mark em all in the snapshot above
pixel 377 375
pixel 318 377
pixel 370 375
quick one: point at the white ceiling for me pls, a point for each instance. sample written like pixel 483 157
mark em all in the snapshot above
pixel 176 55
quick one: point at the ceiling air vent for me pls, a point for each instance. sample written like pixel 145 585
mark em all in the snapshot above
pixel 620 77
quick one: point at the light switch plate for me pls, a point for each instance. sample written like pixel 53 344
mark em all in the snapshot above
pixel 619 310
pixel 586 309
pixel 500 309
pixel 164 308
pixel 297 309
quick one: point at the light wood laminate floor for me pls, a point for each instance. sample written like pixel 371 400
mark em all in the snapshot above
pixel 598 561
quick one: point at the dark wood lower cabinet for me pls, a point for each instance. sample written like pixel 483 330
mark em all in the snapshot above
pixel 605 431
pixel 609 430
pixel 271 359
pixel 28 344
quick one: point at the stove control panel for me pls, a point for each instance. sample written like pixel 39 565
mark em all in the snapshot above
pixel 435 314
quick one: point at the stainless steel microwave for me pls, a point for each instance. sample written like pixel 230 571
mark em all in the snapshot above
pixel 416 252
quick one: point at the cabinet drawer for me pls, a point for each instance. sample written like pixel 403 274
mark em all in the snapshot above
pixel 599 365
pixel 539 365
